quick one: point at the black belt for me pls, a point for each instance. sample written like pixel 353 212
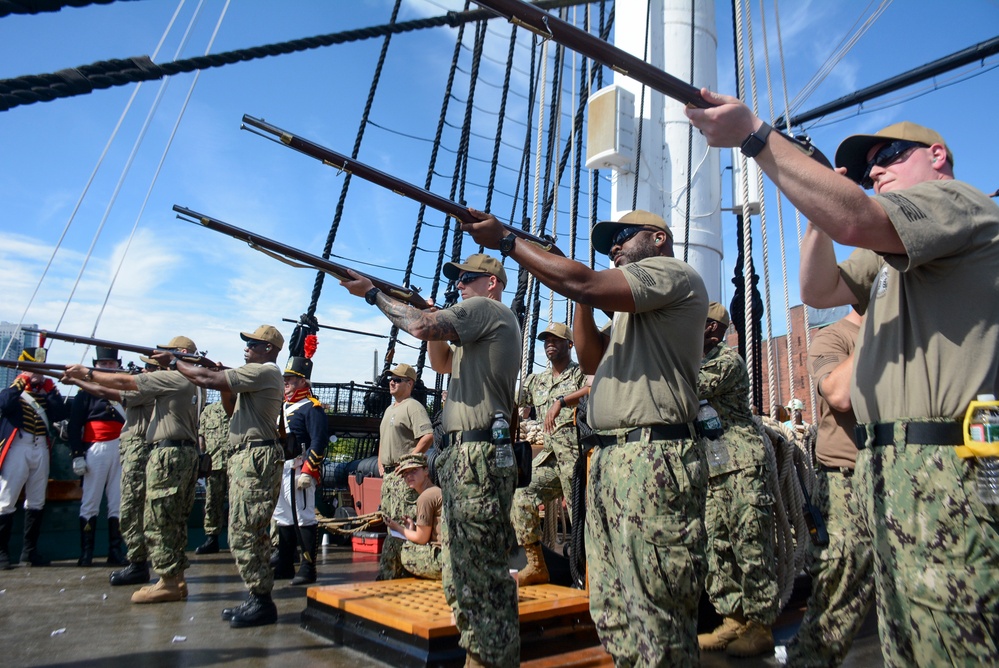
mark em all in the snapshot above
pixel 255 444
pixel 658 432
pixel 469 436
pixel 172 443
pixel 916 433
pixel 389 469
pixel 844 471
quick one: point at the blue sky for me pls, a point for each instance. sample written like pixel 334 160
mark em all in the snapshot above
pixel 179 279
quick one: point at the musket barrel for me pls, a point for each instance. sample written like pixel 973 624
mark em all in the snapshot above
pixel 90 341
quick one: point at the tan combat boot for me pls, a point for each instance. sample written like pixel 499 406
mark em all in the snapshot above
pixel 754 641
pixel 730 629
pixel 535 572
pixel 166 589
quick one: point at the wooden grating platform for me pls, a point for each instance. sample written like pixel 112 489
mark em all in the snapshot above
pixel 408 622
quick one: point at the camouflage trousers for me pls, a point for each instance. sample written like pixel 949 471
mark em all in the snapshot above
pixel 477 542
pixel 254 484
pixel 134 455
pixel 216 491
pixel 936 555
pixel 397 501
pixel 170 477
pixel 742 567
pixel 645 543
pixel 842 578
pixel 551 479
pixel 423 561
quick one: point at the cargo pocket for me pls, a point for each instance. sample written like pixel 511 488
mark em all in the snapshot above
pixel 677 549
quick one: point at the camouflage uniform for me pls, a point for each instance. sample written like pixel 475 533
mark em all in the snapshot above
pixel 214 428
pixel 476 494
pixel 842 578
pixel 738 516
pixel 171 474
pixel 551 476
pixel 423 561
pixel 134 455
pixel 397 501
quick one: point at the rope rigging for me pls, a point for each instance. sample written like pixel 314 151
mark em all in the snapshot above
pixel 8 7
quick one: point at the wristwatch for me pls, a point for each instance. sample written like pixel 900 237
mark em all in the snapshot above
pixel 506 244
pixel 756 141
pixel 561 400
pixel 371 296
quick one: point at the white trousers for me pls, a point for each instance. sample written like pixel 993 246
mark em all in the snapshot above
pixel 103 476
pixel 26 466
pixel 305 501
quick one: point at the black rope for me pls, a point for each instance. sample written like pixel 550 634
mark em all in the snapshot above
pixel 109 73
pixel 8 7
pixel 338 215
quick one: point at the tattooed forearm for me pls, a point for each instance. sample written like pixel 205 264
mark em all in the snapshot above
pixel 424 325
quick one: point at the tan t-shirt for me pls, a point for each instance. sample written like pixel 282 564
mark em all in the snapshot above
pixel 648 374
pixel 428 512
pixel 401 427
pixel 138 412
pixel 930 340
pixel 260 394
pixel 834 444
pixel 485 364
pixel 175 405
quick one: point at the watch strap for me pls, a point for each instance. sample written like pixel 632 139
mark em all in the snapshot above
pixel 755 142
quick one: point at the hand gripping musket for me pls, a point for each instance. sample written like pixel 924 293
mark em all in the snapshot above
pixel 551 27
pixel 287 253
pixel 193 358
pixel 368 173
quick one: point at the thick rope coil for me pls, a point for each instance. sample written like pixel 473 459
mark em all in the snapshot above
pixel 350 525
pixel 8 7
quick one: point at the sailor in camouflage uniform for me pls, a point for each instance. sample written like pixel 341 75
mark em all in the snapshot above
pixel 254 466
pixel 741 580
pixel 645 496
pixel 172 469
pixel 552 393
pixel 842 571
pixel 213 437
pixel 422 553
pixel 477 535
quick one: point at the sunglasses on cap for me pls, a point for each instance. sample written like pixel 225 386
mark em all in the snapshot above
pixel 253 344
pixel 469 277
pixel 888 155
pixel 621 236
pixel 398 379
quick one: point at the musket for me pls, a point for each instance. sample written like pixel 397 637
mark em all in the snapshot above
pixel 273 248
pixel 194 358
pixel 551 27
pixel 48 368
pixel 359 169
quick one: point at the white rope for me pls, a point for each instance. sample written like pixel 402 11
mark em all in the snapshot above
pixel 86 187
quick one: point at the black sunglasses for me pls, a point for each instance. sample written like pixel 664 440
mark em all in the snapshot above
pixel 469 277
pixel 396 379
pixel 621 236
pixel 887 155
pixel 254 344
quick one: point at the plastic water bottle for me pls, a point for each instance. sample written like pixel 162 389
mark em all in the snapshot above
pixel 501 439
pixel 985 428
pixel 710 426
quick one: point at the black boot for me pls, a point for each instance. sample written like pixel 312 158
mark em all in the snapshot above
pixel 285 569
pixel 227 613
pixel 210 546
pixel 135 573
pixel 258 611
pixel 32 529
pixel 117 554
pixel 88 527
pixel 6 524
pixel 307 570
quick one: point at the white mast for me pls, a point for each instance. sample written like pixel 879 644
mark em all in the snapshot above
pixel 663 173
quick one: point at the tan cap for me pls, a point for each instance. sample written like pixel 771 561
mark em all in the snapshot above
pixel 605 230
pixel 150 361
pixel 852 151
pixel 558 329
pixel 177 343
pixel 478 263
pixel 404 371
pixel 718 313
pixel 407 462
pixel 265 333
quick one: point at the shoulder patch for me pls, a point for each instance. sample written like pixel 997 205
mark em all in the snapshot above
pixel 911 212
pixel 459 312
pixel 641 274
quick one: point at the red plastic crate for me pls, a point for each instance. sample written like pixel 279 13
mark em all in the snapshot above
pixel 367 541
